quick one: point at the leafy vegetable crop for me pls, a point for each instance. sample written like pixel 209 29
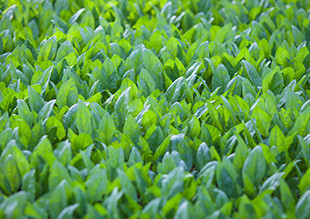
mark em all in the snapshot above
pixel 154 109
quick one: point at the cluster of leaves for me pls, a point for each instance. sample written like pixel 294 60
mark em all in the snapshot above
pixel 154 109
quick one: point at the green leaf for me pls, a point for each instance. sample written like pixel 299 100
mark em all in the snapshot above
pixel 162 148
pixel 173 183
pixel 246 209
pixel 121 106
pixel 64 153
pixel 110 77
pixel 194 126
pixel 65 49
pixel 224 33
pixel 132 129
pixel 127 186
pixel 150 60
pixel 302 207
pixel 203 155
pixel 255 165
pixel 173 93
pixel 83 121
pixel 278 139
pixel 10 176
pixel 81 141
pixel 302 124
pixel 46 110
pixel 44 78
pixel 43 151
pixel 68 212
pixel 96 184
pixel 106 129
pixel 67 95
pixel 58 199
pixel 287 198
pixel 149 119
pixel 146 84
pixel 24 132
pixel 20 159
pixel 216 116
pixel 48 49
pixel 134 157
pixel 305 148
pixel 263 121
pixel 36 102
pixel 241 153
pixel 76 16
pixel 304 183
pixel 54 123
pixel 273 81
pixel 58 173
pixel 252 74
pixel 249 186
pixel 220 79
pixel 179 144
pixel 24 112
pixel 282 56
pixel 14 205
pixel 271 183
pixel 225 179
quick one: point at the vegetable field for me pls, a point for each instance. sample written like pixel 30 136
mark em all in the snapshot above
pixel 154 109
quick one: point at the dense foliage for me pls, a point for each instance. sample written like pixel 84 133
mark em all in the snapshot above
pixel 154 109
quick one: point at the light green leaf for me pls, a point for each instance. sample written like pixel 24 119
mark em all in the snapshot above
pixel 282 56
pixel 67 95
pixel 83 119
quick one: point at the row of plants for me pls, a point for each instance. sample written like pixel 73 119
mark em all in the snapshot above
pixel 154 109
